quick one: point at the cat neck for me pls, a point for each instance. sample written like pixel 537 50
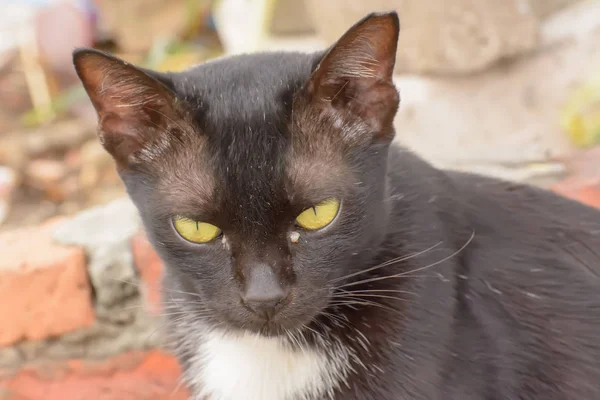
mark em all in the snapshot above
pixel 248 366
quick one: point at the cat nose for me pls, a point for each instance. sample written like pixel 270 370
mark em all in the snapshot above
pixel 267 305
pixel 264 295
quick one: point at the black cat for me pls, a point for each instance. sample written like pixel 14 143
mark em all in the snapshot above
pixel 307 258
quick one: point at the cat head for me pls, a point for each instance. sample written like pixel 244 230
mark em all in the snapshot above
pixel 260 178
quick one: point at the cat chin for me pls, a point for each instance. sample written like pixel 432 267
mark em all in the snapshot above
pixel 271 332
pixel 283 325
pixel 239 334
pixel 287 336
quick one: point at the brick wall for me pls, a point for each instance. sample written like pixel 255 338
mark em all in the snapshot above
pixel 80 309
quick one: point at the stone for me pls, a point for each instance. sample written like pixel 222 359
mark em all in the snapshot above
pixel 462 122
pixel 44 289
pixel 10 357
pixel 104 232
pixel 59 350
pixel 438 36
pixel 100 341
pixel 130 338
pixel 136 24
pixel 545 8
pixel 290 17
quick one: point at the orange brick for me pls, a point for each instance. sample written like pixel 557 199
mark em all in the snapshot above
pixel 150 268
pixel 589 195
pixel 151 375
pixel 44 289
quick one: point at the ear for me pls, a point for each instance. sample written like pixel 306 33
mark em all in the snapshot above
pixel 354 77
pixel 134 109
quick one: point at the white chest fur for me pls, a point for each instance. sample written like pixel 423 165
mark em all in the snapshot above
pixel 252 367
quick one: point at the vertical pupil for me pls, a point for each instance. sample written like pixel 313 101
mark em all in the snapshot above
pixel 196 225
pixel 315 211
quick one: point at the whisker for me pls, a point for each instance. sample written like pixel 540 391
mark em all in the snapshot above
pixel 364 303
pixel 404 274
pixel 336 320
pixel 386 263
pixel 332 317
pixel 163 289
pixel 163 325
pixel 372 296
pixel 377 291
pixel 305 326
pixel 195 314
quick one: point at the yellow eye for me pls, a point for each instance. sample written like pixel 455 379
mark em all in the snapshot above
pixel 195 231
pixel 319 216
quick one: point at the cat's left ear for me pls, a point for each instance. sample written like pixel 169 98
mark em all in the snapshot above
pixel 136 109
pixel 355 76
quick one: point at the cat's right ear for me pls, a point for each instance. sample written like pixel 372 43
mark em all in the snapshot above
pixel 134 109
pixel 354 78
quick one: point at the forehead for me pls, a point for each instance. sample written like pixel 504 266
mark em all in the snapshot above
pixel 244 88
pixel 243 109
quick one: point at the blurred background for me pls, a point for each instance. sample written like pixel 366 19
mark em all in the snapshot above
pixel 505 88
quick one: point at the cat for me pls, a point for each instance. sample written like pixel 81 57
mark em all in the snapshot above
pixel 308 257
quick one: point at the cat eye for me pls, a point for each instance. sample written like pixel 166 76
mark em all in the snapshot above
pixel 319 216
pixel 195 231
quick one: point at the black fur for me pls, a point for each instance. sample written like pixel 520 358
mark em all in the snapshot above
pixel 477 288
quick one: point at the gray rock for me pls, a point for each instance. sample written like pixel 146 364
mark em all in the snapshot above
pixel 103 339
pixel 505 121
pixel 144 333
pixel 10 357
pixel 32 350
pixel 545 8
pixel 100 226
pixel 105 232
pixel 99 329
pixel 290 17
pixel 60 350
pixel 122 322
pixel 441 36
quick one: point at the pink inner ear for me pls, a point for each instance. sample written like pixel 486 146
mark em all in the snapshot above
pixel 114 86
pixel 356 74
pixel 133 108
pixel 366 51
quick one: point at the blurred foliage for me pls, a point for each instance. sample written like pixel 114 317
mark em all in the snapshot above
pixel 581 116
pixel 173 55
pixel 59 105
pixel 173 51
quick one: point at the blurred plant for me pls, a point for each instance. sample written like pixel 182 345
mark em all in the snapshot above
pixel 60 104
pixel 581 116
pixel 168 53
pixel 194 12
pixel 175 55
pixel 165 55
